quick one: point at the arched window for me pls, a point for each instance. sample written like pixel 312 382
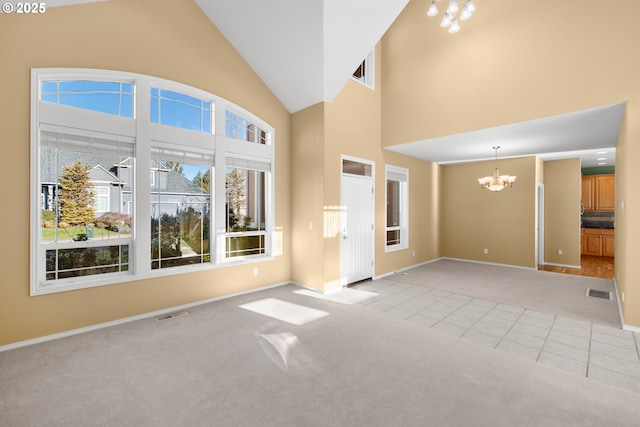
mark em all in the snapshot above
pixel 131 179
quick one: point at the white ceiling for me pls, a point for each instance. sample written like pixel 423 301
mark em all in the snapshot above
pixel 585 134
pixel 305 51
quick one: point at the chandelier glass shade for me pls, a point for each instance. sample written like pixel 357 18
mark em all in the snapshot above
pixel 450 20
pixel 496 182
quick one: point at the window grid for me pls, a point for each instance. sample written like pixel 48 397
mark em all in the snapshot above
pixel 56 265
pixel 114 97
pixel 237 127
pixel 180 110
pixel 245 212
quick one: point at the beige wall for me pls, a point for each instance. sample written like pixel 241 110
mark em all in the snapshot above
pixel 474 219
pixel 499 69
pixel 515 61
pixel 350 125
pixel 307 197
pixel 562 212
pixel 168 39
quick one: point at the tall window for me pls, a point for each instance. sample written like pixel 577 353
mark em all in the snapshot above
pixel 116 198
pixel 397 200
pixel 180 208
pixel 81 232
pixel 245 188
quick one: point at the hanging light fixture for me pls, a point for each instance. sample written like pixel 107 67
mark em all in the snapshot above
pixel 449 20
pixel 496 182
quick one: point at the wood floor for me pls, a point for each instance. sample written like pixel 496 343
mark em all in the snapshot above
pixel 593 266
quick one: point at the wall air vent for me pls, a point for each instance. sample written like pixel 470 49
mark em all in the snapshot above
pixel 172 316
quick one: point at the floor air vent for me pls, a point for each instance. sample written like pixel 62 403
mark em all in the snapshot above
pixel 172 316
pixel 598 294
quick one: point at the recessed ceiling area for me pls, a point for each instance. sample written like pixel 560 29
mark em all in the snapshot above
pixel 589 134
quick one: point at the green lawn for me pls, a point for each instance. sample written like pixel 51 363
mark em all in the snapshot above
pixel 71 232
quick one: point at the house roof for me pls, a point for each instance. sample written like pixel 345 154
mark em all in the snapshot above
pixel 106 168
pixel 52 161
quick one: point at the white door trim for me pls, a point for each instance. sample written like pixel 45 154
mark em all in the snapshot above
pixel 343 275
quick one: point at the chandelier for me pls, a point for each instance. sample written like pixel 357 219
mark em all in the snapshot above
pixel 449 19
pixel 496 182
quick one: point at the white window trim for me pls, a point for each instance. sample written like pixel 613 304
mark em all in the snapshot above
pixel 402 176
pixel 144 132
pixel 106 196
pixel 369 71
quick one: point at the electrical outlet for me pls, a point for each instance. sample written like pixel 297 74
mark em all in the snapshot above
pixel 559 251
pixel 414 253
pixel 622 296
pixel 486 251
pixel 255 271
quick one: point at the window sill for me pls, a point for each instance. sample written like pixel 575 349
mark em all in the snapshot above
pixel 118 278
pixel 395 248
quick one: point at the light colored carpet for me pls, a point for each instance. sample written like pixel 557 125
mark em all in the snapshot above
pixel 554 293
pixel 225 366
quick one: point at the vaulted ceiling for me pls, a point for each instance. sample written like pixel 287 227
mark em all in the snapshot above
pixel 306 50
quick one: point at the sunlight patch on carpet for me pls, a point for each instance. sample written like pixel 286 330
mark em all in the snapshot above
pixel 344 296
pixel 285 311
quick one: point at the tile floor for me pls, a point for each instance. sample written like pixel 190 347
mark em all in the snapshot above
pixel 603 353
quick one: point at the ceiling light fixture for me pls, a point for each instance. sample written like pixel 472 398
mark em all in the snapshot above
pixel 496 182
pixel 449 20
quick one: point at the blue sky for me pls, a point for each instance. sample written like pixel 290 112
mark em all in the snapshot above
pixel 167 108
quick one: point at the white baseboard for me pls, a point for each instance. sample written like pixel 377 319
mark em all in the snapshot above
pixel 563 265
pixel 615 287
pixel 490 263
pixel 131 319
pixel 631 328
pixel 624 327
pixel 309 288
pixel 383 275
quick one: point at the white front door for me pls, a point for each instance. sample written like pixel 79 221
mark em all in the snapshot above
pixel 356 249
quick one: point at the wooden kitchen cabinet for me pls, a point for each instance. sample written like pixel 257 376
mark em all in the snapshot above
pixel 598 193
pixel 598 242
pixel 603 196
pixel 588 188
pixel 608 244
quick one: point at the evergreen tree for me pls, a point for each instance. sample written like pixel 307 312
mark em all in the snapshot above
pixel 76 196
pixel 203 180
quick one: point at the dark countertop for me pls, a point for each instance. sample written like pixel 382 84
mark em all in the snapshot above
pixel 597 224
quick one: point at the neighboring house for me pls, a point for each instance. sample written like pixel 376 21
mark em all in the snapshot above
pixel 111 179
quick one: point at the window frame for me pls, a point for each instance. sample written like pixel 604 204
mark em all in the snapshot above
pixel 258 232
pixel 368 69
pixel 77 120
pixel 400 175
pixel 99 197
